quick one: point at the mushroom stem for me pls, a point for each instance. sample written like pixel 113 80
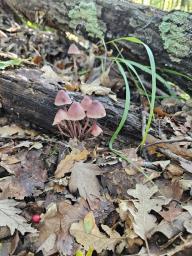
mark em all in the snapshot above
pixel 86 125
pixel 67 129
pixel 75 68
pixel 75 129
pixel 62 132
pixel 79 129
pixel 71 128
pixel 90 128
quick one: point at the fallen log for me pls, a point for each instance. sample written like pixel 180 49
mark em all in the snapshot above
pixel 169 35
pixel 27 95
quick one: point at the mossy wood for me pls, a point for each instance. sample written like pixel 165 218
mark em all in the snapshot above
pixel 169 35
pixel 26 95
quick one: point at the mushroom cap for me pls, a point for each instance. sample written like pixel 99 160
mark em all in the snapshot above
pixel 60 116
pixel 62 98
pixel 73 50
pixel 86 102
pixel 96 110
pixel 96 130
pixel 76 112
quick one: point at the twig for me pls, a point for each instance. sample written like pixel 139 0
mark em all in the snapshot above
pixel 168 141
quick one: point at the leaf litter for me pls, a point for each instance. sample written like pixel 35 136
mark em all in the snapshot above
pixel 84 199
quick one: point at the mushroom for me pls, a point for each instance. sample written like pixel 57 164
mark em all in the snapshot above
pixel 96 110
pixel 62 98
pixel 96 130
pixel 86 102
pixel 76 113
pixel 74 51
pixel 60 116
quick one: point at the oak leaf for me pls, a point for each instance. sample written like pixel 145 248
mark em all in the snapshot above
pixel 92 237
pixel 9 216
pixel 83 178
pixel 144 222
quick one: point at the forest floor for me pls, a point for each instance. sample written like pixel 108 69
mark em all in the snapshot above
pixel 59 196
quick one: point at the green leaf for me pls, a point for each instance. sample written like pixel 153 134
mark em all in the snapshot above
pixel 10 63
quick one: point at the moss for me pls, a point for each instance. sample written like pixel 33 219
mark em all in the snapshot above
pixel 175 34
pixel 86 14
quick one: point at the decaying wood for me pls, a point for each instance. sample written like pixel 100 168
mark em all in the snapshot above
pixel 26 94
pixel 169 35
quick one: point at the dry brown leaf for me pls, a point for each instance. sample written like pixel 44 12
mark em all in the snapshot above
pixel 143 221
pixel 92 237
pixel 174 170
pixel 171 229
pixel 172 213
pixel 67 163
pixel 10 130
pixel 55 228
pixel 95 87
pixel 50 74
pixel 83 178
pixel 174 147
pixel 9 216
pixel 28 177
pixel 105 80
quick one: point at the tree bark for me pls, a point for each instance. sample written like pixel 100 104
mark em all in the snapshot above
pixel 169 35
pixel 25 94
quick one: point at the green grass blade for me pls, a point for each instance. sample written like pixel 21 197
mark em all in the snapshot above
pixel 125 112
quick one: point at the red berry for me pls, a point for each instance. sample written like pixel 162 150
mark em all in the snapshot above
pixel 36 218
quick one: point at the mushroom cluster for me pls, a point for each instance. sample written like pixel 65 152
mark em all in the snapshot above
pixel 78 120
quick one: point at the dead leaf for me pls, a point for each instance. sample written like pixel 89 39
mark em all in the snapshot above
pixel 10 130
pixel 104 78
pixel 174 147
pixel 10 217
pixel 50 74
pixel 67 163
pixel 143 221
pixel 95 87
pixel 29 176
pixel 171 229
pixel 54 232
pixel 174 170
pixel 93 237
pixel 172 213
pixel 83 178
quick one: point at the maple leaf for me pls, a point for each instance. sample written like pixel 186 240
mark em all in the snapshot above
pixel 54 233
pixel 83 178
pixel 143 221
pixel 9 216
pixel 67 163
pixel 88 234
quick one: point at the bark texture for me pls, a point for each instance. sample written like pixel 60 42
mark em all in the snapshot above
pixel 169 35
pixel 27 95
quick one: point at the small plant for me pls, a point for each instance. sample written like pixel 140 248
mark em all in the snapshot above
pixel 79 119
